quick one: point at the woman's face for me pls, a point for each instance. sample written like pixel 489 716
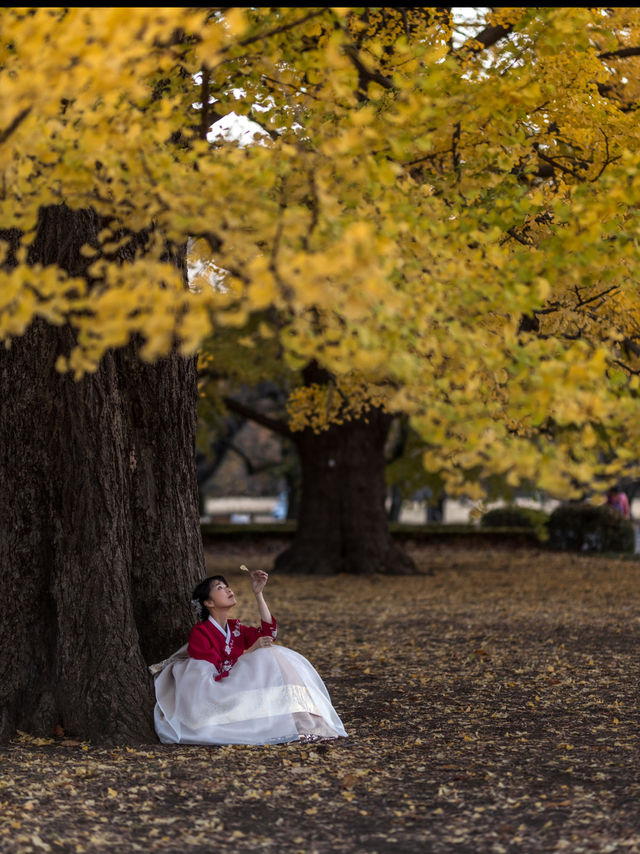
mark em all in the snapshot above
pixel 220 596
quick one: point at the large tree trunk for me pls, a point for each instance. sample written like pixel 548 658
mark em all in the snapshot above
pixel 342 522
pixel 99 536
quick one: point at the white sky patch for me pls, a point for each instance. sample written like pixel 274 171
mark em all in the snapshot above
pixel 235 128
pixel 468 21
pixel 208 271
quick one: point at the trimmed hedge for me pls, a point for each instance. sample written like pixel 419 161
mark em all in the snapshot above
pixel 513 516
pixel 590 528
pixel 455 534
pixel 242 530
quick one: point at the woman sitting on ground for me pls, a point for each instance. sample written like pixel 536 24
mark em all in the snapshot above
pixel 231 684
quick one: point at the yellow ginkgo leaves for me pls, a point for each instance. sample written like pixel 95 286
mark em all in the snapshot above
pixel 450 229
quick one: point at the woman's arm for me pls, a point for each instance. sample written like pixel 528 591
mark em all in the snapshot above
pixel 257 638
pixel 258 580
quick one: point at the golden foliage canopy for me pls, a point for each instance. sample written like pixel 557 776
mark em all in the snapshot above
pixel 449 226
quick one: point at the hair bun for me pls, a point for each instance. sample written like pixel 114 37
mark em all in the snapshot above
pixel 198 609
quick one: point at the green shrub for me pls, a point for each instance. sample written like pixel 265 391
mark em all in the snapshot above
pixel 513 516
pixel 590 528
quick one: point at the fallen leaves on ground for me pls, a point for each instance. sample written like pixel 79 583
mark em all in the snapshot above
pixel 491 707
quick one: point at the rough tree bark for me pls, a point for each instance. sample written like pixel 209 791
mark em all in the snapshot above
pixel 99 536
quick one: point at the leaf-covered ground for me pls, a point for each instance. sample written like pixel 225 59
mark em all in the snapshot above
pixel 492 707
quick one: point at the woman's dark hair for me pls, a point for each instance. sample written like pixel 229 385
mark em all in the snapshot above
pixel 201 593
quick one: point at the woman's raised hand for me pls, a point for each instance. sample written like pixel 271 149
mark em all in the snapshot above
pixel 258 580
pixel 261 643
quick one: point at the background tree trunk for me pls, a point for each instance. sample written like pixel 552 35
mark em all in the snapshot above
pixel 342 522
pixel 99 536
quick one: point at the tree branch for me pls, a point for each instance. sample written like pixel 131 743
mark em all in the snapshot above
pixel 273 424
pixel 582 302
pixel 631 345
pixel 487 38
pixel 511 232
pixel 282 29
pixel 205 123
pixel 626 367
pixel 251 467
pixel 554 163
pixel 620 54
pixel 15 124
pixel 366 75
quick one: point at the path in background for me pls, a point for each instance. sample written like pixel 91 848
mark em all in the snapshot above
pixel 267 508
pixel 264 509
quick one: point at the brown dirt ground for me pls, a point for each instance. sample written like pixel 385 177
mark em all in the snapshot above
pixel 491 707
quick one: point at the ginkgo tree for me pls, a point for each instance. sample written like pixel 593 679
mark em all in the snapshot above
pixel 471 292
pixel 424 225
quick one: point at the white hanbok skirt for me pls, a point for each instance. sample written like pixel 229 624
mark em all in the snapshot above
pixel 271 696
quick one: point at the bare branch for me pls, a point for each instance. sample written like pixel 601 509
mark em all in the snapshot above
pixel 620 54
pixel 608 159
pixel 15 124
pixel 582 302
pixel 487 38
pixel 273 424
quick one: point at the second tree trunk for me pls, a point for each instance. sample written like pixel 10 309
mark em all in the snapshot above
pixel 342 521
